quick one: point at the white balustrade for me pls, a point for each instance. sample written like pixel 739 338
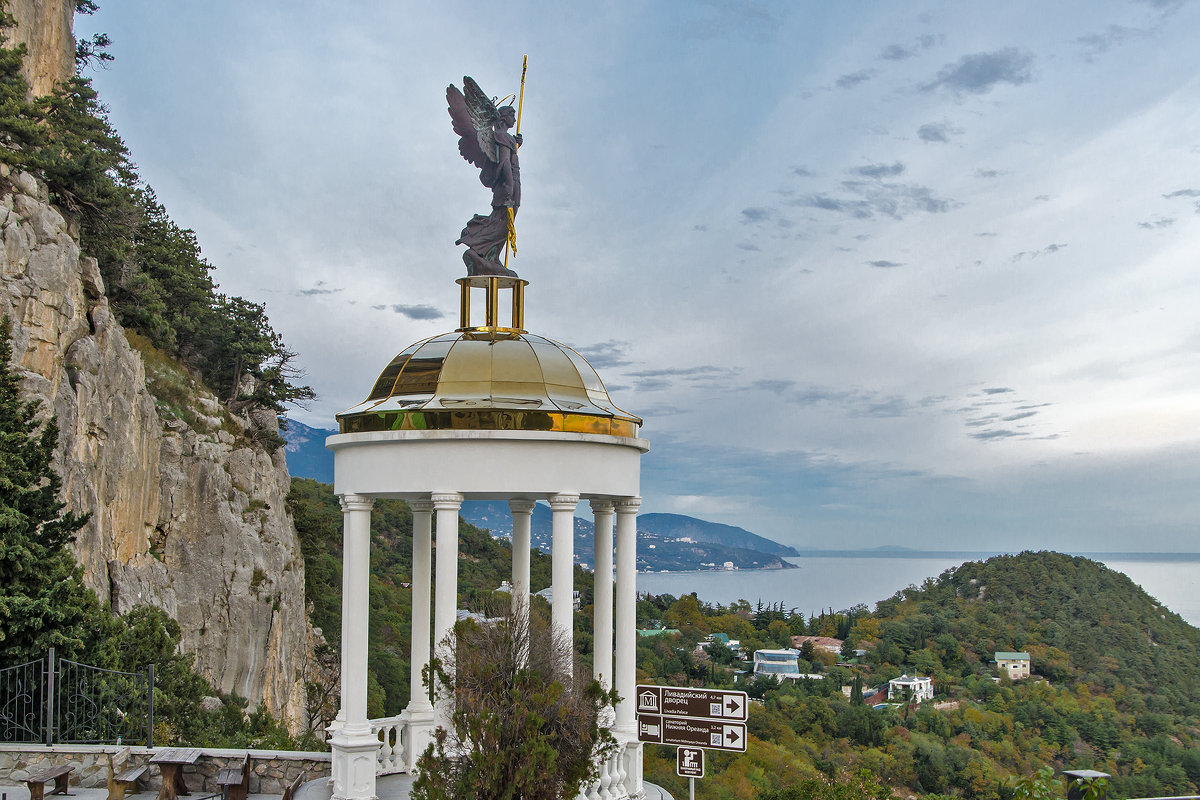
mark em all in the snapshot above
pixel 393 750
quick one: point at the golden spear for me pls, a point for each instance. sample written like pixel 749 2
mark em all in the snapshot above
pixel 512 221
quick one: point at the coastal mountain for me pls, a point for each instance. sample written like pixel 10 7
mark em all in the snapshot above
pixel 679 526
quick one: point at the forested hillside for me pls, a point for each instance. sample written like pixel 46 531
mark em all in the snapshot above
pixel 1115 685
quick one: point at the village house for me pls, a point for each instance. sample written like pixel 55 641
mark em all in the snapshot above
pixel 911 688
pixel 1014 665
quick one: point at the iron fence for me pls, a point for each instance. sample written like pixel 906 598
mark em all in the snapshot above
pixel 59 700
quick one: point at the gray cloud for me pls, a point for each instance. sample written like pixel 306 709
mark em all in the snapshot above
pixel 886 264
pixel 773 386
pixel 1047 250
pixel 605 355
pixel 756 214
pixel 1160 222
pixel 879 170
pixel 989 173
pixel 998 390
pixel 995 433
pixel 1019 415
pixel 979 73
pixel 937 132
pixel 750 246
pixel 684 372
pixel 802 172
pixel 320 288
pixel 1096 44
pixel 417 312
pixel 853 79
pixel 873 198
pixel 894 52
pixel 1183 193
pixel 379 307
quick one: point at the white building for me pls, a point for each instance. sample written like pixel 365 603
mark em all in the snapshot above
pixel 777 664
pixel 911 688
pixel 488 412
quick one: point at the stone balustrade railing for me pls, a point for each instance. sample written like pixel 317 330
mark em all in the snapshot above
pixel 394 742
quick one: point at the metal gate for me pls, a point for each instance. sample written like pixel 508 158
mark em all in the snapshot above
pixel 64 701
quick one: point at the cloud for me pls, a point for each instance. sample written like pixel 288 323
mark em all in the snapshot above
pixel 750 246
pixel 1159 222
pixel 853 79
pixel 1019 415
pixel 756 214
pixel 320 288
pixel 875 197
pixel 894 52
pixel 417 312
pixel 1095 44
pixel 995 433
pixel 937 132
pixel 998 390
pixel 773 386
pixel 1047 250
pixel 802 172
pixel 685 372
pixel 989 173
pixel 886 264
pixel 979 73
pixel 879 170
pixel 379 307
pixel 1183 193
pixel 605 355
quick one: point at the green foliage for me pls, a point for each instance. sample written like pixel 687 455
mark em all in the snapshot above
pixel 43 602
pixel 863 786
pixel 521 728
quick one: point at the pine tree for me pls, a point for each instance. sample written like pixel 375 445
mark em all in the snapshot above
pixel 43 601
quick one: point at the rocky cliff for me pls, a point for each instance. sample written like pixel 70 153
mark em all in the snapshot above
pixel 187 512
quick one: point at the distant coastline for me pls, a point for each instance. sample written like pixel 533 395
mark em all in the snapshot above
pixel 976 555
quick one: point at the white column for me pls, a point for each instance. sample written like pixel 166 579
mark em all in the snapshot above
pixel 522 514
pixel 602 619
pixel 445 601
pixel 422 511
pixel 562 572
pixel 355 747
pixel 418 716
pixel 624 674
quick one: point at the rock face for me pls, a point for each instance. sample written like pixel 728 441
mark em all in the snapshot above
pixel 187 517
pixel 44 27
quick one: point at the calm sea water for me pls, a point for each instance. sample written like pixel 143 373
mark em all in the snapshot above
pixel 840 583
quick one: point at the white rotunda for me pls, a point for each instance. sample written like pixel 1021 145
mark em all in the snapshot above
pixel 487 412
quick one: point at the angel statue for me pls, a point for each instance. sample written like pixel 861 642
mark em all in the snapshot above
pixel 486 143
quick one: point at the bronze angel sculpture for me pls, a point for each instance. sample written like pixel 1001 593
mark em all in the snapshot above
pixel 484 141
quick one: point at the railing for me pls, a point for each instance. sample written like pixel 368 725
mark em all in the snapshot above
pixel 59 700
pixel 393 749
pixel 22 702
pixel 619 775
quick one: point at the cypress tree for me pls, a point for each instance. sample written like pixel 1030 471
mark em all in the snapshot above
pixel 43 601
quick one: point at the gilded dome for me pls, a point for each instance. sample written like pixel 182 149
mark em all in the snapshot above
pixel 472 380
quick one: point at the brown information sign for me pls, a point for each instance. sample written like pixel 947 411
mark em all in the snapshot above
pixel 713 734
pixel 686 702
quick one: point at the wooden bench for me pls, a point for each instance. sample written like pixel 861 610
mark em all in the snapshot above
pixel 290 791
pixel 37 782
pixel 121 782
pixel 234 780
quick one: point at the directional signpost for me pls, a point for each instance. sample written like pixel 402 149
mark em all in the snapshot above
pixel 692 718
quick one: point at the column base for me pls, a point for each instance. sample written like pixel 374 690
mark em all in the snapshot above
pixel 355 754
pixel 419 724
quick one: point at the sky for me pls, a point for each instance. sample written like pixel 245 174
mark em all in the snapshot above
pixel 917 274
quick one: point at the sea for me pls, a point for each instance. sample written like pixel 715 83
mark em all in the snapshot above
pixel 842 581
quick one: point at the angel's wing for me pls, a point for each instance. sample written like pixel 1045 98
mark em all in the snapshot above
pixel 472 115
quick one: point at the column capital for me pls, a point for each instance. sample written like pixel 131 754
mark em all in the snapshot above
pixel 446 501
pixel 601 506
pixel 628 505
pixel 422 506
pixel 521 506
pixel 356 502
pixel 563 502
